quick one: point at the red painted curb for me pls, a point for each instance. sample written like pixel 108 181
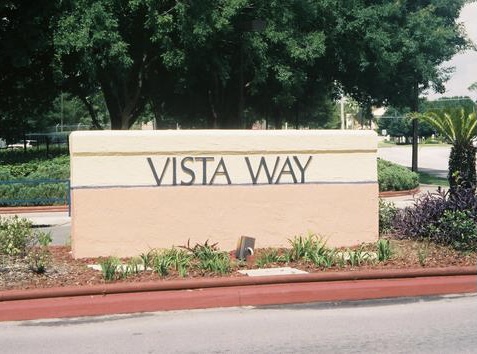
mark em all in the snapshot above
pixel 33 209
pixel 191 284
pixel 253 295
pixel 390 194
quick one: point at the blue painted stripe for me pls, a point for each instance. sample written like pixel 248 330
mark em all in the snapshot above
pixel 223 185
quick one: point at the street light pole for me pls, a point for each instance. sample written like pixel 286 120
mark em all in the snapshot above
pixel 415 127
pixel 343 126
pixel 241 84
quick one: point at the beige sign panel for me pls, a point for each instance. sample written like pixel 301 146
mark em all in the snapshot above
pixel 136 190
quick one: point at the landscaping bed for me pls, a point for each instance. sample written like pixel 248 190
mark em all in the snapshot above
pixel 64 271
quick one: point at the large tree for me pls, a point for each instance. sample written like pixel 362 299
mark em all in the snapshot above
pixel 210 61
pixel 26 64
pixel 389 51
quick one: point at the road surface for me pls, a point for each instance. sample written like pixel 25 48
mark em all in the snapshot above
pixel 431 159
pixel 421 325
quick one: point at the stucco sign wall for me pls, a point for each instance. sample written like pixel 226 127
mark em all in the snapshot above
pixel 136 190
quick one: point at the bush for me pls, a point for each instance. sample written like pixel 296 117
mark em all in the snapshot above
pixel 35 193
pixel 392 177
pixel 16 236
pixel 442 217
pixel 387 212
pixel 457 228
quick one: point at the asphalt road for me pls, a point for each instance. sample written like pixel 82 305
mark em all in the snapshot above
pixel 431 159
pixel 420 325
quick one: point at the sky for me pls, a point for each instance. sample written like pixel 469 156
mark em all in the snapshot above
pixel 465 63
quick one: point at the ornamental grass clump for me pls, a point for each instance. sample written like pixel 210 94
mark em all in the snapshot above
pixel 312 249
pixel 384 250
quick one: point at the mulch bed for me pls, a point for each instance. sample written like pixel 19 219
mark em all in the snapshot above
pixel 65 271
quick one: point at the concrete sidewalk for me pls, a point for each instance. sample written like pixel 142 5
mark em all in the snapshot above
pixel 409 199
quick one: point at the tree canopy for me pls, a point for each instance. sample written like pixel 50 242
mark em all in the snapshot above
pixel 224 63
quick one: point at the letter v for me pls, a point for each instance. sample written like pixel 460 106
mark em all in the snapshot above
pixel 154 172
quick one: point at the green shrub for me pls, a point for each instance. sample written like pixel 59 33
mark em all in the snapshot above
pixel 457 226
pixel 36 193
pixel 444 217
pixel 39 259
pixel 392 177
pixel 387 212
pixel 16 236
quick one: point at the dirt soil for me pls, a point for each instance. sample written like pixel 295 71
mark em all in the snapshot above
pixel 64 271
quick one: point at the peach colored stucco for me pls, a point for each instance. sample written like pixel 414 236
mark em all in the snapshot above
pixel 129 221
pixel 128 195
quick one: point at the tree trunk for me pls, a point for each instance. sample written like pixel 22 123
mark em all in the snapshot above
pixel 462 167
pixel 92 113
pixel 124 97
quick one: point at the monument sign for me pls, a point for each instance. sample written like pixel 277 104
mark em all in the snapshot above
pixel 137 190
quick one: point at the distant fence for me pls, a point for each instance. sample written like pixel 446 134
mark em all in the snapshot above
pixel 36 192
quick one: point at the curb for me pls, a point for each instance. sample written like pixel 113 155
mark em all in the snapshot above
pixel 232 292
pixel 224 282
pixel 391 194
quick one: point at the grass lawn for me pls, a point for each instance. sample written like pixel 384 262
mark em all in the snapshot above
pixel 426 178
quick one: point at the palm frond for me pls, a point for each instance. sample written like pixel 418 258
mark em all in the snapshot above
pixel 456 126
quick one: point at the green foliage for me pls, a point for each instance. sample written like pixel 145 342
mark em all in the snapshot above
pixel 384 250
pixel 161 265
pixel 218 262
pixel 392 177
pixel 311 249
pixel 459 128
pixel 37 193
pixel 39 259
pixel 17 239
pixel 268 257
pixel 462 167
pixel 210 258
pixel 27 86
pixel 387 212
pixel 426 178
pixel 148 259
pixel 170 259
pixel 444 218
pixel 132 267
pixel 355 257
pixel 212 53
pixel 16 236
pixel 111 268
pixel 201 251
pixel 459 227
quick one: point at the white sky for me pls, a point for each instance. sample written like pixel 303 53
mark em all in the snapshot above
pixel 465 63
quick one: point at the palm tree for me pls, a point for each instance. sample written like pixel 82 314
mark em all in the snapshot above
pixel 459 128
